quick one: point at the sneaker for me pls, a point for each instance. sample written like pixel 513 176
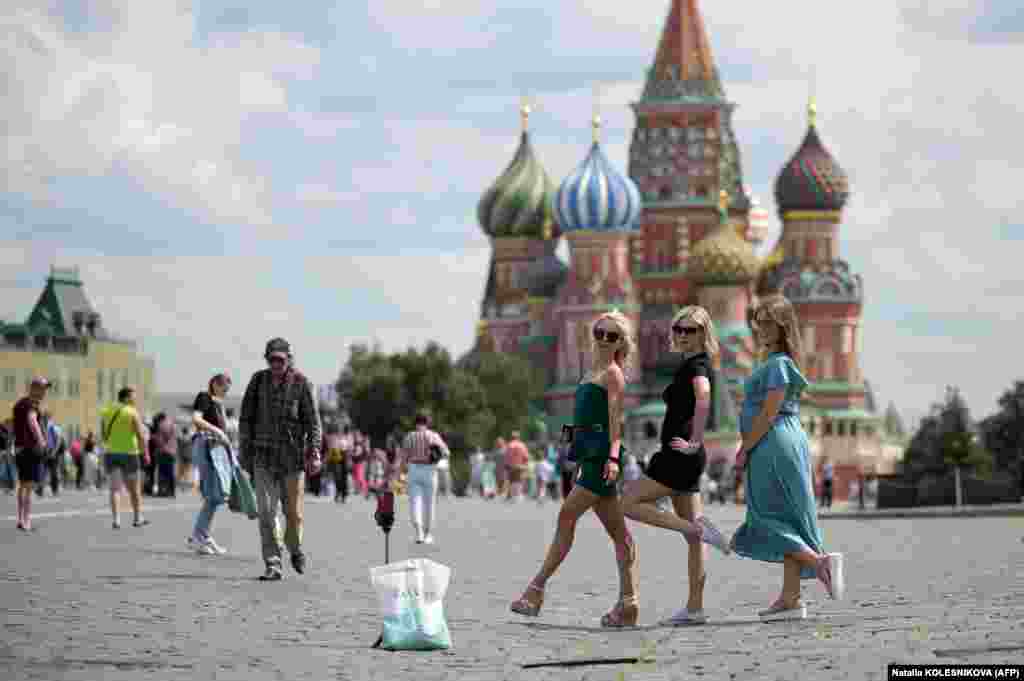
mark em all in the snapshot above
pixel 685 617
pixel 710 534
pixel 780 613
pixel 217 548
pixel 429 539
pixel 116 525
pixel 830 572
pixel 299 562
pixel 271 574
pixel 21 526
pixel 140 523
pixel 205 550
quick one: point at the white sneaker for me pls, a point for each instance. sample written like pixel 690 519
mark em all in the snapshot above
pixel 710 534
pixel 836 585
pixel 205 550
pixel 217 548
pixel 685 617
pixel 429 539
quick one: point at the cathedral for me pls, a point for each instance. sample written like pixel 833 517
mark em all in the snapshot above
pixel 679 227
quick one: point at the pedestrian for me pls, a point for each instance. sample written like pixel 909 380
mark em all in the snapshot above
pixel 279 439
pixel 165 439
pixel 421 449
pixel 517 466
pixel 566 469
pixel 546 484
pixel 8 471
pixel 55 448
pixel 335 457
pixel 827 475
pixel 500 471
pixel 125 444
pixel 29 447
pixel 212 457
pixel 92 461
pixel 185 476
pixel 675 470
pixel 476 470
pixel 360 456
pixel 597 441
pixel 781 524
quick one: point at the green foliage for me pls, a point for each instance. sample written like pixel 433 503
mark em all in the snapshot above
pixel 945 439
pixel 487 395
pixel 1002 433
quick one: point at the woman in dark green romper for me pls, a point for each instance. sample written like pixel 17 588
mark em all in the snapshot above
pixel 597 441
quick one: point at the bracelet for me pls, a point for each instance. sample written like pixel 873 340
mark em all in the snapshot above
pixel 614 459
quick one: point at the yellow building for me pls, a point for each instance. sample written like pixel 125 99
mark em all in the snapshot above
pixel 64 340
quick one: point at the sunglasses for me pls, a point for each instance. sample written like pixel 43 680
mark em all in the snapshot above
pixel 607 336
pixel 681 330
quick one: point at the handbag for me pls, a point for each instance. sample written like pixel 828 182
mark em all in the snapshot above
pixel 435 453
pixel 243 498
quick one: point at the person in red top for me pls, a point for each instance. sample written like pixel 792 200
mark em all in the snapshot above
pixel 76 456
pixel 29 447
pixel 517 466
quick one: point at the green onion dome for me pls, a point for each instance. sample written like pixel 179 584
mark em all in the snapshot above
pixel 518 204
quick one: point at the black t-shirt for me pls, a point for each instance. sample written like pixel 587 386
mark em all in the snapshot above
pixel 681 399
pixel 210 410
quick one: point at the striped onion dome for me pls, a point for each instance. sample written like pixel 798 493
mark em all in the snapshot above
pixel 597 197
pixel 518 204
pixel 811 180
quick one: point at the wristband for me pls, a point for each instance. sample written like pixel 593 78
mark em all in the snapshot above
pixel 614 459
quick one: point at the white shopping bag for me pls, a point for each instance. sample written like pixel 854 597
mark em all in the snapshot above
pixel 411 595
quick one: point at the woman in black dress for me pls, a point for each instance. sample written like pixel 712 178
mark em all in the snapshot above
pixel 675 470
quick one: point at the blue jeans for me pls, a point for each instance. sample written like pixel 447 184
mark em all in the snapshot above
pixel 201 460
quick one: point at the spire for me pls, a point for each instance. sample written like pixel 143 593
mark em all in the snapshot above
pixel 524 113
pixel 683 64
pixel 812 112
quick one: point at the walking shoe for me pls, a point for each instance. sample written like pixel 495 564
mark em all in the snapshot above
pixel 140 523
pixel 271 574
pixel 217 548
pixel 205 550
pixel 429 539
pixel 830 572
pixel 710 534
pixel 299 562
pixel 685 617
pixel 778 612
pixel 116 525
pixel 21 526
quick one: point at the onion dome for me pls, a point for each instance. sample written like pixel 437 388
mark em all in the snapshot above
pixel 544 275
pixel 811 180
pixel 518 204
pixel 596 196
pixel 723 257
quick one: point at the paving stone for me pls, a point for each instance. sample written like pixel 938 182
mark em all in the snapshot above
pixel 81 601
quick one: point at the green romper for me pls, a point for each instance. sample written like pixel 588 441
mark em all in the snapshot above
pixel 592 447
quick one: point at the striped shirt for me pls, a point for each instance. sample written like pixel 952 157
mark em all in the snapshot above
pixel 416 446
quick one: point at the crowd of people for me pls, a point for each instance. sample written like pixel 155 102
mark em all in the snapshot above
pixel 264 463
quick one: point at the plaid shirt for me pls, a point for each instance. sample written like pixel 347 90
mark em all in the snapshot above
pixel 279 422
pixel 416 446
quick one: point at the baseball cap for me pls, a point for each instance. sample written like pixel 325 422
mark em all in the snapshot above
pixel 41 381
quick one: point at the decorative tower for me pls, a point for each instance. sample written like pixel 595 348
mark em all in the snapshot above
pixel 516 214
pixel 683 153
pixel 597 208
pixel 805 266
pixel 723 267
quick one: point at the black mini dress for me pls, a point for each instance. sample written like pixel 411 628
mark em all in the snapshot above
pixel 676 470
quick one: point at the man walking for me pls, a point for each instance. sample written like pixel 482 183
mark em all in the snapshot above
pixel 279 424
pixel 127 450
pixel 29 447
pixel 517 466
pixel 417 458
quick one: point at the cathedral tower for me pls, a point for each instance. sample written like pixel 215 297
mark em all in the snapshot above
pixel 516 214
pixel 683 153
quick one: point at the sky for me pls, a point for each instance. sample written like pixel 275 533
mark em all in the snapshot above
pixel 225 172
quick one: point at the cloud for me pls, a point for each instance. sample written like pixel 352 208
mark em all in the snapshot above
pixel 322 195
pixel 138 96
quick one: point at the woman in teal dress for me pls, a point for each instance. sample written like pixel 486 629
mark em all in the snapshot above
pixel 781 524
pixel 597 442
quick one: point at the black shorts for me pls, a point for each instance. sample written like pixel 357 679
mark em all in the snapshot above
pixel 128 464
pixel 30 466
pixel 678 471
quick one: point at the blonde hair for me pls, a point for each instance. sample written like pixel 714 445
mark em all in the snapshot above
pixel 625 354
pixel 781 311
pixel 699 316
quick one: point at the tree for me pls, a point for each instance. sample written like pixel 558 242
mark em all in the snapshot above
pixel 372 390
pixel 1002 433
pixel 512 383
pixel 945 439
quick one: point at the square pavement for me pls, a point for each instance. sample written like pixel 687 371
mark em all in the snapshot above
pixel 82 601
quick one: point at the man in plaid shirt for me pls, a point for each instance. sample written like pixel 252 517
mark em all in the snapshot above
pixel 279 440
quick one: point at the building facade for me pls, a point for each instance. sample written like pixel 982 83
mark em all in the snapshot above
pixel 64 339
pixel 680 228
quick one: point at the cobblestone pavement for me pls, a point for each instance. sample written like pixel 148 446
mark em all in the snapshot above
pixel 82 601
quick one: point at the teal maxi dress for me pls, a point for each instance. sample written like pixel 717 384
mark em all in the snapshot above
pixel 781 513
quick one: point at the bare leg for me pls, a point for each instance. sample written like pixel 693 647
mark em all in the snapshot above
pixel 638 505
pixel 791 566
pixel 689 506
pixel 609 511
pixel 134 486
pixel 116 477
